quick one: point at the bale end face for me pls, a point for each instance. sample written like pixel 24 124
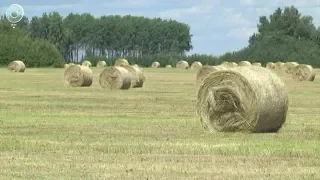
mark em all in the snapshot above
pixel 115 77
pixel 16 66
pixel 245 99
pixel 78 76
pixel 303 72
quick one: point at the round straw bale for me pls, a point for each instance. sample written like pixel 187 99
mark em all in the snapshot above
pixel 119 62
pixel 70 63
pixel 78 76
pixel 244 63
pixel 229 64
pixel 16 66
pixel 86 63
pixel 256 64
pixel 303 72
pixel 196 65
pixel 278 65
pixel 168 66
pixel 137 76
pixel 224 62
pixel 116 77
pixel 136 65
pixel 270 65
pixel 182 65
pixel 155 64
pixel 101 64
pixel 66 66
pixel 289 66
pixel 244 99
pixel 206 70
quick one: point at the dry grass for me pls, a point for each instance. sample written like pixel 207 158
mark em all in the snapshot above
pixel 49 131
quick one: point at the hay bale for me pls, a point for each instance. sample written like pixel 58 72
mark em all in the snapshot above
pixel 136 65
pixel 279 65
pixel 16 66
pixel 155 64
pixel 243 99
pixel 101 64
pixel 120 62
pixel 71 64
pixel 270 65
pixel 137 76
pixel 303 72
pixel 229 64
pixel 66 66
pixel 196 65
pixel 289 66
pixel 244 63
pixel 86 63
pixel 256 64
pixel 168 66
pixel 206 70
pixel 116 77
pixel 182 65
pixel 78 76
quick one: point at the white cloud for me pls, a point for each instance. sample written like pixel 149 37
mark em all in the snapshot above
pixel 183 13
pixel 230 17
pixel 241 33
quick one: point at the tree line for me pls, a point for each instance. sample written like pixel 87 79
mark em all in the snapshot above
pixel 52 40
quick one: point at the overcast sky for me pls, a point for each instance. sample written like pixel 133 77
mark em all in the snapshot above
pixel 217 26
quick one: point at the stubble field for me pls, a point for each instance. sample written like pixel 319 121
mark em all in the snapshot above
pixel 48 131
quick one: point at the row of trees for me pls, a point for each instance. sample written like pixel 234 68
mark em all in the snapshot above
pixel 52 40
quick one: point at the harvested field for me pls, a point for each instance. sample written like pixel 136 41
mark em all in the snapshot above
pixel 51 131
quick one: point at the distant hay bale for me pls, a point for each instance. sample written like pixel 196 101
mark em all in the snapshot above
pixel 182 65
pixel 120 62
pixel 196 65
pixel 70 63
pixel 116 77
pixel 86 63
pixel 137 76
pixel 136 65
pixel 66 66
pixel 244 63
pixel 16 66
pixel 155 64
pixel 289 66
pixel 101 64
pixel 78 76
pixel 224 62
pixel 244 99
pixel 303 72
pixel 168 66
pixel 279 65
pixel 206 70
pixel 256 64
pixel 270 65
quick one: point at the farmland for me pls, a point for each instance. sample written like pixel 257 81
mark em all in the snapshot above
pixel 48 131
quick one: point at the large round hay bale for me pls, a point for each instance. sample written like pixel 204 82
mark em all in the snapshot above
pixel 279 65
pixel 244 63
pixel 137 76
pixel 270 65
pixel 168 66
pixel 303 72
pixel 244 99
pixel 101 64
pixel 16 66
pixel 155 64
pixel 78 76
pixel 182 65
pixel 86 63
pixel 206 70
pixel 66 66
pixel 196 65
pixel 289 66
pixel 256 64
pixel 116 77
pixel 120 62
